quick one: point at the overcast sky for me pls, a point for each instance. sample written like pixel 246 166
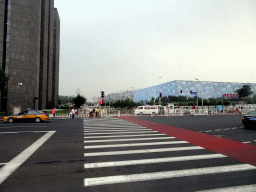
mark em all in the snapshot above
pixel 118 45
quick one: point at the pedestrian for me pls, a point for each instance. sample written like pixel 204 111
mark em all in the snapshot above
pixel 97 112
pixel 73 113
pixel 90 111
pixel 54 112
pixel 76 112
pixel 93 112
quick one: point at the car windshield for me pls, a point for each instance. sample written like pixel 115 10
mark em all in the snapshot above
pixel 252 113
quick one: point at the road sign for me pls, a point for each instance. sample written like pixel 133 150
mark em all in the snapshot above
pixel 193 93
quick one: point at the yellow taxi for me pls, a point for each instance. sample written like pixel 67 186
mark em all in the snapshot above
pixel 28 115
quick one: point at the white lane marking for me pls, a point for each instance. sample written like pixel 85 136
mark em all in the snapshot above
pixel 234 128
pixel 115 129
pixel 226 129
pixel 135 144
pixel 138 128
pixel 241 127
pixel 3 164
pixel 19 127
pixel 243 188
pixel 165 174
pixel 149 161
pixel 133 139
pixel 117 126
pixel 119 132
pixel 26 132
pixel 247 142
pixel 217 135
pixel 7 132
pixel 113 136
pixel 218 130
pixel 142 151
pixel 254 140
pixel 208 131
pixel 11 166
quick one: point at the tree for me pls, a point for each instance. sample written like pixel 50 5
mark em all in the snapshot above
pixel 245 91
pixel 79 100
pixel 3 79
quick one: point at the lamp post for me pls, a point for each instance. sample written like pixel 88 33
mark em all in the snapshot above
pixel 155 95
pixel 202 95
pixel 155 90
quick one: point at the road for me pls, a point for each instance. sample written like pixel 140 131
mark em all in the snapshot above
pixel 120 155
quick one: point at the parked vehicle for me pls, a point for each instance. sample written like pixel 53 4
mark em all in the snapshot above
pixel 249 120
pixel 28 115
pixel 146 110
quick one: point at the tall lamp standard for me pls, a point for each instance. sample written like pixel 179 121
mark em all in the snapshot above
pixel 155 94
pixel 202 95
pixel 155 90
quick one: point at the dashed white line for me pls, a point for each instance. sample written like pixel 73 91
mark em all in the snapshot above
pixel 19 127
pixel 7 132
pixel 165 174
pixel 247 142
pixel 208 131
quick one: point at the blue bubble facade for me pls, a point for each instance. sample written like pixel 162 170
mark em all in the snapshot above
pixel 205 89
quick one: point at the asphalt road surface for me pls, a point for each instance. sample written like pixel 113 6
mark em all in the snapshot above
pixel 111 154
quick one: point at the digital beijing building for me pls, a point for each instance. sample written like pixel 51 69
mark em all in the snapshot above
pixel 205 89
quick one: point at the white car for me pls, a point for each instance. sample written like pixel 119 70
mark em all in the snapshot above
pixel 146 110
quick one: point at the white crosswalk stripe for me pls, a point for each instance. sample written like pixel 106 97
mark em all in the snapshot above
pixel 134 139
pixel 102 135
pixel 134 144
pixel 165 174
pixel 136 135
pixel 148 161
pixel 142 151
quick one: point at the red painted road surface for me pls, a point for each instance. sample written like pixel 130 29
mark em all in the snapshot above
pixel 240 151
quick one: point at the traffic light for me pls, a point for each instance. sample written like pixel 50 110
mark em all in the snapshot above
pixel 102 94
pixel 180 91
pixel 101 101
pixel 191 92
pixel 160 94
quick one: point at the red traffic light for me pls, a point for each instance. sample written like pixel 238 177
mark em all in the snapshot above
pixel 190 91
pixel 160 94
pixel 101 101
pixel 180 91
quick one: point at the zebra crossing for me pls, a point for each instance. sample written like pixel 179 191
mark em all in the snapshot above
pixel 120 152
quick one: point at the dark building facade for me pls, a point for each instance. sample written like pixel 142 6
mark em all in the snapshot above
pixel 29 53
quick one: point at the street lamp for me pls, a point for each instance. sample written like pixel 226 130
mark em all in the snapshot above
pixel 202 95
pixel 156 94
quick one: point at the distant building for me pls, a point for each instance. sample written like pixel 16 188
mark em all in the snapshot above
pixel 205 89
pixel 29 53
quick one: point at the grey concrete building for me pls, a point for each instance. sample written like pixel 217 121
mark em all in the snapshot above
pixel 56 53
pixel 27 53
